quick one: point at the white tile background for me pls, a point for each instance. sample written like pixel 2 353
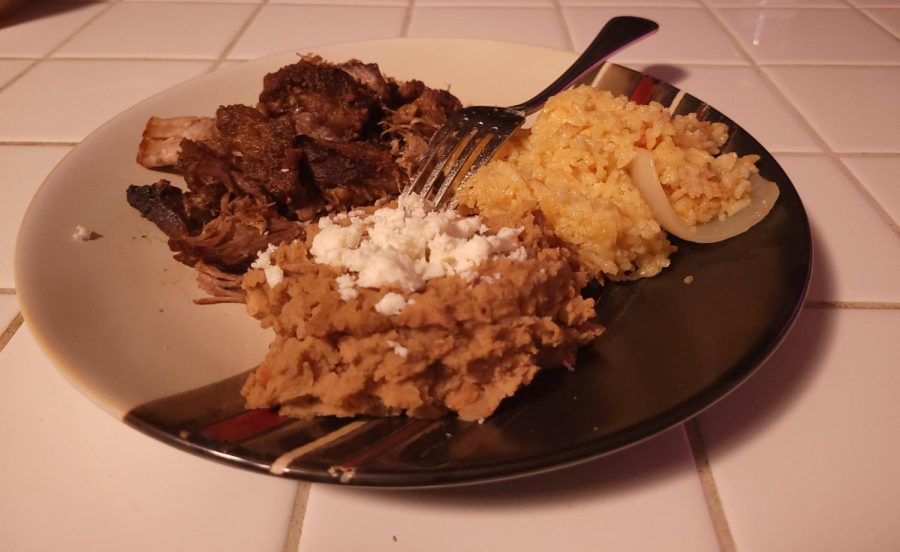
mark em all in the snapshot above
pixel 801 457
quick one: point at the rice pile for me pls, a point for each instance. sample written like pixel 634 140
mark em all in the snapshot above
pixel 573 165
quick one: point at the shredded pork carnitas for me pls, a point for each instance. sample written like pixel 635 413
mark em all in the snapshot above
pixel 324 137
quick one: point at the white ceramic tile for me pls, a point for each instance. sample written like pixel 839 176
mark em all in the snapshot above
pixel 685 35
pixel 874 3
pixel 804 454
pixel 656 3
pixel 856 255
pixel 777 3
pixel 346 2
pixel 279 28
pixel 25 168
pixel 34 109
pixel 75 478
pixel 853 108
pixel 812 36
pixel 9 307
pixel 538 26
pixel 197 1
pixel 879 176
pixel 189 31
pixel 486 3
pixel 9 68
pixel 34 29
pixel 647 497
pixel 888 18
pixel 747 98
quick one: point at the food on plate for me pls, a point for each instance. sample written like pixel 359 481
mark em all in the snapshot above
pixel 382 306
pixel 323 137
pixel 161 142
pixel 393 310
pixel 576 164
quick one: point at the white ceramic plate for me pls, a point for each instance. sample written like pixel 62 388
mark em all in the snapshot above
pixel 116 313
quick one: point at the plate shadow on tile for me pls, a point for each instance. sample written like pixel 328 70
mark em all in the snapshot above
pixel 780 381
pixel 821 281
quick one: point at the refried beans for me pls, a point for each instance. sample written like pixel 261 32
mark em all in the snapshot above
pixel 459 343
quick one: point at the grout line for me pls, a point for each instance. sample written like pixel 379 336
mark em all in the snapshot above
pixel 843 64
pixel 223 56
pixel 570 39
pixel 710 491
pixel 865 154
pixel 872 200
pixel 298 513
pixel 698 63
pixel 35 143
pixel 10 330
pixel 852 305
pixel 407 19
pixel 784 7
pixel 20 73
pixel 82 27
pixel 133 58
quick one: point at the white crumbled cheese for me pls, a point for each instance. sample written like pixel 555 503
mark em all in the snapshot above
pixel 399 350
pixel 274 273
pixel 405 246
pixel 81 233
pixel 391 304
pixel 347 287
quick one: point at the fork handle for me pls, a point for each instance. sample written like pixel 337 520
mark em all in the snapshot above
pixel 615 35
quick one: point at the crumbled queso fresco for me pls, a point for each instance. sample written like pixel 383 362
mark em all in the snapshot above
pixel 81 233
pixel 403 247
pixel 274 273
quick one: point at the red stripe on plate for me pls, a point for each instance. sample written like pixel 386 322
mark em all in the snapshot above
pixel 643 91
pixel 410 431
pixel 243 425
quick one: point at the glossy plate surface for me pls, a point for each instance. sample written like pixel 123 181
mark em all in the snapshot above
pixel 116 315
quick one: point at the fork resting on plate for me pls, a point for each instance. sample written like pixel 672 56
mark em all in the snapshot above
pixel 472 135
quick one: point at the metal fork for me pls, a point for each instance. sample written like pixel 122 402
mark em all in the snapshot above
pixel 472 135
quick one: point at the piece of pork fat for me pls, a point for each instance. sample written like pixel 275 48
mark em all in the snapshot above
pixel 321 100
pixel 161 140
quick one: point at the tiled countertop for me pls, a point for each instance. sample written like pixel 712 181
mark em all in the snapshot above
pixel 801 457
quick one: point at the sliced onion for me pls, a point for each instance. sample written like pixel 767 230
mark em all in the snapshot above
pixel 763 194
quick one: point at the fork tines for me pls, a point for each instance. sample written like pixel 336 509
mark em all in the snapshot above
pixel 469 139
